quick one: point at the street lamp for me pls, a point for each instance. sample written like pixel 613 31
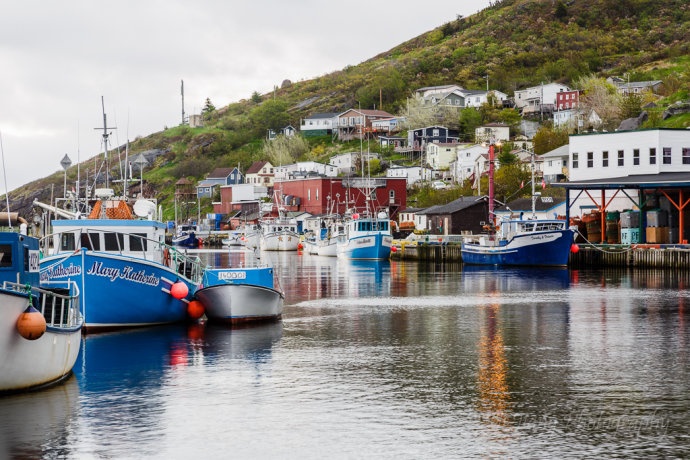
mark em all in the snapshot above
pixel 65 163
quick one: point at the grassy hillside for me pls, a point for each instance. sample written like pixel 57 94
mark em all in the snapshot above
pixel 517 44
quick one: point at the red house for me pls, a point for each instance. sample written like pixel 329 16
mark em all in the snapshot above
pixel 324 195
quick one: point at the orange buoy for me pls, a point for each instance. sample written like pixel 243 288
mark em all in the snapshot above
pixel 179 290
pixel 195 309
pixel 31 324
pixel 574 248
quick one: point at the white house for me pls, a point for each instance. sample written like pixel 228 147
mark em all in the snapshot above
pixel 475 98
pixel 463 166
pixel 347 163
pixel 439 155
pixel 319 124
pixel 492 131
pixel 536 96
pixel 413 174
pixel 303 169
pixel 556 164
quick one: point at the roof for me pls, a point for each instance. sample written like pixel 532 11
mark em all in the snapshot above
pixel 461 203
pixel 637 181
pixel 322 115
pixel 525 204
pixel 256 167
pixel 562 151
pixel 220 173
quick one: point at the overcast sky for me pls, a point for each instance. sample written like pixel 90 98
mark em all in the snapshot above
pixel 57 58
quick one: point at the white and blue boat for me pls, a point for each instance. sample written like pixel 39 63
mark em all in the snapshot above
pixel 366 237
pixel 240 295
pixel 537 242
pixel 527 242
pixel 127 275
pixel 186 236
pixel 40 327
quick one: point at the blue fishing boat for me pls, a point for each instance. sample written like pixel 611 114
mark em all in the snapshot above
pixel 366 237
pixel 40 326
pixel 240 295
pixel 521 242
pixel 529 242
pixel 126 273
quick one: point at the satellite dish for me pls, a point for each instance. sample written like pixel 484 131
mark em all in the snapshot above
pixel 144 208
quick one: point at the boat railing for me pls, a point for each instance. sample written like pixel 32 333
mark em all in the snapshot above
pixel 148 249
pixel 188 266
pixel 59 306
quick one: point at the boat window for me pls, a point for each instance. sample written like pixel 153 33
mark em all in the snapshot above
pixel 67 242
pixel 26 259
pixel 137 242
pixel 91 241
pixel 5 255
pixel 383 226
pixel 114 241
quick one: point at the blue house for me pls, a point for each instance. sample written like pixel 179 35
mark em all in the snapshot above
pixel 419 138
pixel 217 177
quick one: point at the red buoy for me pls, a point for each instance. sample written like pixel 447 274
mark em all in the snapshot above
pixel 574 248
pixel 179 290
pixel 195 309
pixel 394 249
pixel 300 246
pixel 31 324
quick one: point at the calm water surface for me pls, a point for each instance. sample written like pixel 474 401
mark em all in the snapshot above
pixel 388 360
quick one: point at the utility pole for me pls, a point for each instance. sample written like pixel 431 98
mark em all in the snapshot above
pixel 182 93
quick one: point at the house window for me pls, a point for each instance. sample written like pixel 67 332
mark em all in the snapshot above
pixel 686 156
pixel 317 194
pixel 636 157
pixel 575 160
pixel 605 159
pixel 621 156
pixel 435 133
pixel 590 159
pixel 391 196
pixel 309 195
pixel 652 156
pixel 550 163
pixel 667 155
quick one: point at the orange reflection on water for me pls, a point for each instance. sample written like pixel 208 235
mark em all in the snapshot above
pixel 493 367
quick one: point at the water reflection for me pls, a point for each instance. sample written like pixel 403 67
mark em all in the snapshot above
pixel 401 359
pixel 39 424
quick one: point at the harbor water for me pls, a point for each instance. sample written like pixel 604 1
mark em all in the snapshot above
pixel 392 359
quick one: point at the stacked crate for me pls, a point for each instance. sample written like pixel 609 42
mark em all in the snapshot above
pixel 630 227
pixel 657 226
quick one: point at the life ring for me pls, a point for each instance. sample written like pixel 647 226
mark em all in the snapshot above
pixel 166 257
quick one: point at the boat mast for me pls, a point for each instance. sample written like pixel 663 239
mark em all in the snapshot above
pixel 534 196
pixel 491 182
pixel 105 135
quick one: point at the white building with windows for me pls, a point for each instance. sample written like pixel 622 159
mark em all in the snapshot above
pixel 652 156
pixel 627 153
pixel 304 169
pixel 413 174
pixel 464 165
pixel 556 164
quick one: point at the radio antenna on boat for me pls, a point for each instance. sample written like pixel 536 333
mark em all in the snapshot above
pixel 105 142
pixel 4 173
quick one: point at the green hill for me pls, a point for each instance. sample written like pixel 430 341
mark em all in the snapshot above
pixel 517 44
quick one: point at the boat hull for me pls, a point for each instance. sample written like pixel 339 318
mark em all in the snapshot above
pixel 119 291
pixel 534 249
pixel 238 295
pixel 30 364
pixel 286 241
pixel 240 303
pixel 374 246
